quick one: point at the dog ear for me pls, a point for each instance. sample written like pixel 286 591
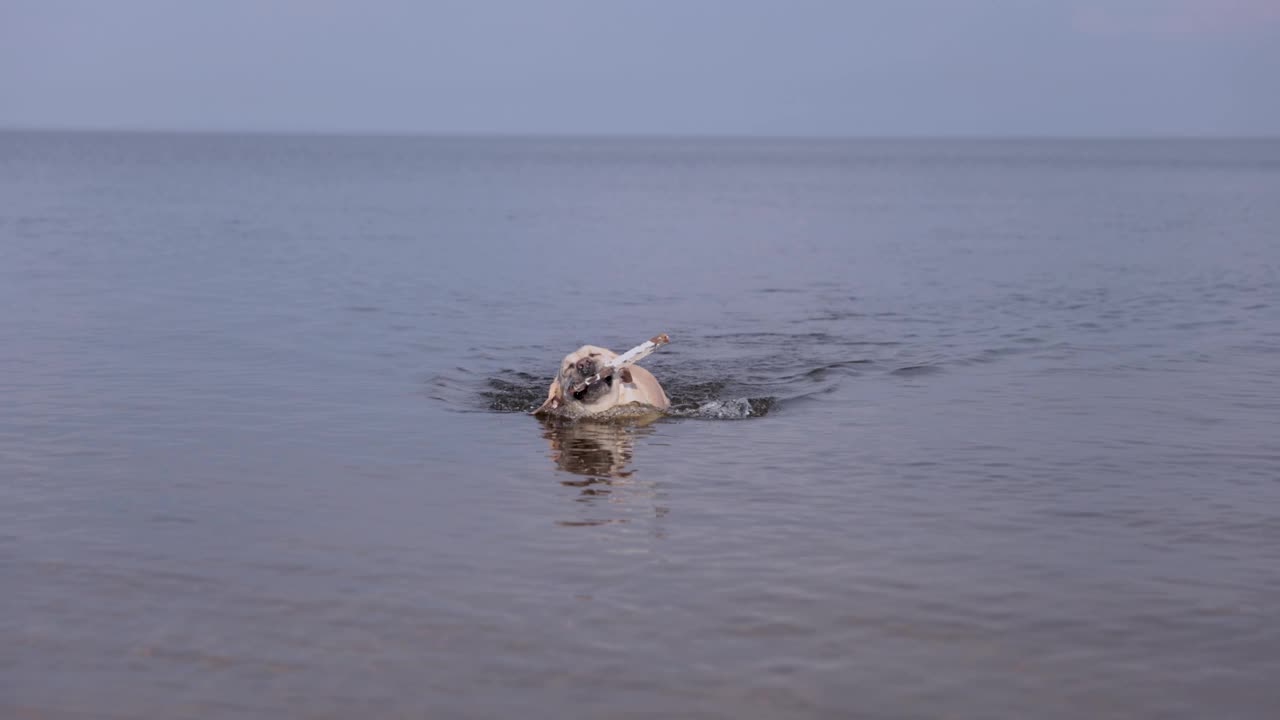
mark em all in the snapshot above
pixel 626 375
pixel 553 399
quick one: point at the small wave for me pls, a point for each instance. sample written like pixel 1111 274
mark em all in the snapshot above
pixel 514 392
pixel 707 399
pixel 916 370
pixel 823 371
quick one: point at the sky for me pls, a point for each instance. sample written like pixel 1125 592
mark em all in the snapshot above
pixel 652 67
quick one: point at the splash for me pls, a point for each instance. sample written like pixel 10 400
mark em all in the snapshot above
pixel 731 409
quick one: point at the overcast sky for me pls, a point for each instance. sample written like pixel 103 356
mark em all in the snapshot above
pixel 741 67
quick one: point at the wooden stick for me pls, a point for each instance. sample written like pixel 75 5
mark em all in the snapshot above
pixel 630 357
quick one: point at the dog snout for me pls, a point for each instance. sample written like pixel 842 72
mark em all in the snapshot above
pixel 586 367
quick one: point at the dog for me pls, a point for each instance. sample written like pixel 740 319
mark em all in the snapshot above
pixel 629 392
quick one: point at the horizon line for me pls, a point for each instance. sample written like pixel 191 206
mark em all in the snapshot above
pixel 611 135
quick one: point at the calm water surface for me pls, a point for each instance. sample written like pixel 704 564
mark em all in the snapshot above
pixel 964 429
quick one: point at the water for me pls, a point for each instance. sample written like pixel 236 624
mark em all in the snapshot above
pixel 965 429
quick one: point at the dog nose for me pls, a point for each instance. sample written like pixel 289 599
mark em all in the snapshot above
pixel 586 367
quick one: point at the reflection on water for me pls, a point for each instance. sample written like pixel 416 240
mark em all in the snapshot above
pixel 601 455
pixel 593 448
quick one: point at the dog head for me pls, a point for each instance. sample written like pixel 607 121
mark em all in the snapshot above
pixel 576 367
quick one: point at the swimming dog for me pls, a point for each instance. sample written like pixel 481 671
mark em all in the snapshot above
pixel 629 391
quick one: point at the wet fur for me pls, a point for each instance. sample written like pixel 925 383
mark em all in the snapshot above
pixel 631 394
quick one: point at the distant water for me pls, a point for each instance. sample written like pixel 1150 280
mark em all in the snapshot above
pixel 967 429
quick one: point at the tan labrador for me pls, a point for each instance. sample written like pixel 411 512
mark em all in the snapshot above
pixel 629 392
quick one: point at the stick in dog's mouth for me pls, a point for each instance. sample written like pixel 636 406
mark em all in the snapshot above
pixel 620 363
pixel 581 391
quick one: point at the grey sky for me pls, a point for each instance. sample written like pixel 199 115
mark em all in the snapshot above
pixel 774 67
